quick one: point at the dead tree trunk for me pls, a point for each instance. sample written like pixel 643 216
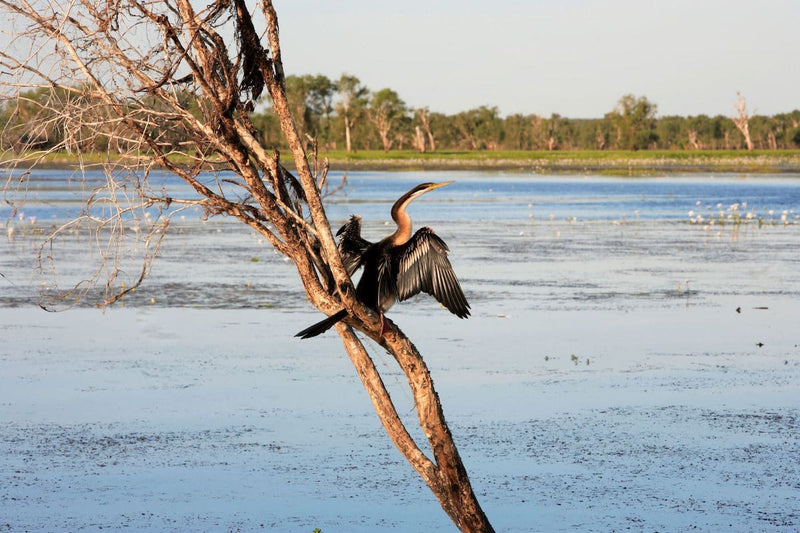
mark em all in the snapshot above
pixel 742 121
pixel 694 143
pixel 444 473
pixel 144 89
pixel 347 127
pixel 419 139
pixel 384 127
pixel 772 142
pixel 422 113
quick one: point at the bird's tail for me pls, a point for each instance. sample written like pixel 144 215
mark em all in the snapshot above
pixel 322 326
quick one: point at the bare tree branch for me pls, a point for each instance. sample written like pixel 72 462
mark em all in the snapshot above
pixel 160 84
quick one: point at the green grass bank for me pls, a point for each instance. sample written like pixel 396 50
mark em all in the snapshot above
pixel 603 162
pixel 612 162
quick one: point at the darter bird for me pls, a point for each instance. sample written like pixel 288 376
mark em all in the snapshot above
pixel 397 267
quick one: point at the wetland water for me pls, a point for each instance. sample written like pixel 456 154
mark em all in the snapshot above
pixel 604 382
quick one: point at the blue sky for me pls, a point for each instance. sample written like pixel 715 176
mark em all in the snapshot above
pixel 572 57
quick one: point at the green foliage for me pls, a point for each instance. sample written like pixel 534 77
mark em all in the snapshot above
pixel 632 125
pixel 634 120
pixel 386 109
pixel 333 111
pixel 479 129
pixel 311 100
pixel 351 106
pixel 387 102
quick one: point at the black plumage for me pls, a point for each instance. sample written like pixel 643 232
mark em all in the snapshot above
pixel 398 267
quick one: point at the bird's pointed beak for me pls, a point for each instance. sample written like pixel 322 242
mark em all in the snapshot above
pixel 442 184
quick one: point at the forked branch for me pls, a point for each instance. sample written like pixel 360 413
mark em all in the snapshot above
pixel 181 100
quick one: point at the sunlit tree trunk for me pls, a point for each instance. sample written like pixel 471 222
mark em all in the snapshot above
pixel 384 109
pixel 347 127
pixel 419 139
pixel 772 142
pixel 742 120
pixel 422 114
pixel 693 142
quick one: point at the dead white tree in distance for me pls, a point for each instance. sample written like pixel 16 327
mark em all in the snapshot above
pixel 742 120
pixel 422 115
pixel 171 85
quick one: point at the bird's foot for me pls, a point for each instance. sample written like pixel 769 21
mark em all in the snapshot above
pixel 385 328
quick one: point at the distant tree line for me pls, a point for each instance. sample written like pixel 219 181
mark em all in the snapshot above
pixel 345 115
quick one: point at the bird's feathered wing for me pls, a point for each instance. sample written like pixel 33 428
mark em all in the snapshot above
pixel 351 245
pixel 422 266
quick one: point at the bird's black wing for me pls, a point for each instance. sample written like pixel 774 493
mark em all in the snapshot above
pixel 351 245
pixel 422 266
pixel 386 282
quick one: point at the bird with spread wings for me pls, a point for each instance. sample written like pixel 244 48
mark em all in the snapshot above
pixel 397 267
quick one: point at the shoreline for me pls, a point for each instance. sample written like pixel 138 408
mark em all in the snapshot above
pixel 615 163
pixel 538 166
pixel 538 162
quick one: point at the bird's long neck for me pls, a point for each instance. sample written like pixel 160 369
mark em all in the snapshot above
pixel 403 220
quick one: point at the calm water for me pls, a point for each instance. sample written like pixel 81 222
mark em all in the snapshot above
pixel 535 241
pixel 501 196
pixel 57 194
pixel 623 367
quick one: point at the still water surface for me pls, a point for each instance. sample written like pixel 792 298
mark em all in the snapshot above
pixel 57 194
pixel 539 241
pixel 623 368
